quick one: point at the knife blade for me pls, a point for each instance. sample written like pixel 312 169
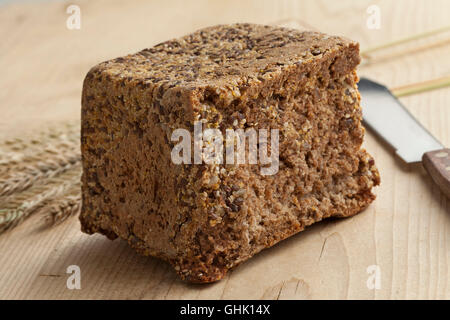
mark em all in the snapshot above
pixel 386 116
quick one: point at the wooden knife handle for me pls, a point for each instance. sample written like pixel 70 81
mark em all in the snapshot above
pixel 437 163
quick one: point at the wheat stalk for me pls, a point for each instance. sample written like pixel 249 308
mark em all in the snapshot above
pixel 48 154
pixel 46 169
pixel 40 174
pixel 366 53
pixel 11 217
pixel 17 151
pixel 19 162
pixel 22 205
pixel 421 87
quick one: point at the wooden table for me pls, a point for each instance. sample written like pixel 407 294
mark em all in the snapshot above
pixel 405 233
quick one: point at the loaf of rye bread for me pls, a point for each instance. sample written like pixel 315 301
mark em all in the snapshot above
pixel 207 218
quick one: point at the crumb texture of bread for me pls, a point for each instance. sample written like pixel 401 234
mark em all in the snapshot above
pixel 207 218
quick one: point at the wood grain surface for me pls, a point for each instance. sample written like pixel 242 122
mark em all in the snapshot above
pixel 404 235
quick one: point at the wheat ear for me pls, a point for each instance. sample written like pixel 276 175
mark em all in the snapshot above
pixel 29 153
pixel 31 148
pixel 60 209
pixel 46 169
pixel 24 204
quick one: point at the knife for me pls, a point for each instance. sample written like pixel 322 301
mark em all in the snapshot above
pixel 387 117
